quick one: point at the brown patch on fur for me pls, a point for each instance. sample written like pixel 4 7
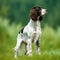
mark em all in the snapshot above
pixel 33 14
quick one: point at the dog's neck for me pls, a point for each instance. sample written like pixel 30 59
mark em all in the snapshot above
pixel 33 23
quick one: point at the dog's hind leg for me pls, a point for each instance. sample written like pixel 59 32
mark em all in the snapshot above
pixel 38 47
pixel 29 48
pixel 19 41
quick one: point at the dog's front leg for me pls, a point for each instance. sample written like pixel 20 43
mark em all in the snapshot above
pixel 29 47
pixel 37 42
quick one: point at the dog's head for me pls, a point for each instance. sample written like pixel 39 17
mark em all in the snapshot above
pixel 37 13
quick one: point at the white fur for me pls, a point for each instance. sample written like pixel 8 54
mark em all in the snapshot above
pixel 43 12
pixel 31 32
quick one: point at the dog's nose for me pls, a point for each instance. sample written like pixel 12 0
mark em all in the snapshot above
pixel 43 11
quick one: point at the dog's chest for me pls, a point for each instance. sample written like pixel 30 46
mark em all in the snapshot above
pixel 34 28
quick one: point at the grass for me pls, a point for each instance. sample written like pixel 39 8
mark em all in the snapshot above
pixel 49 43
pixel 46 55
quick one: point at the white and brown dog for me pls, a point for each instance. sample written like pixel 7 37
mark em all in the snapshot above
pixel 31 32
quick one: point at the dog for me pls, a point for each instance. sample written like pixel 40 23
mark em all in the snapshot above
pixel 31 32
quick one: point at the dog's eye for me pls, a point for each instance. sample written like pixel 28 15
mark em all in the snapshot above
pixel 37 10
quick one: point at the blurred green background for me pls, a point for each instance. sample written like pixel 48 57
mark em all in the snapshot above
pixel 14 14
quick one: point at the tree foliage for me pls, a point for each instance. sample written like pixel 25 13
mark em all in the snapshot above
pixel 18 10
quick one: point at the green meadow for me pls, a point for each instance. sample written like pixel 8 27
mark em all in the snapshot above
pixel 49 43
pixel 15 14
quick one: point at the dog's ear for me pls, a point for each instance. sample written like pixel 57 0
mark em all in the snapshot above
pixel 33 15
pixel 40 18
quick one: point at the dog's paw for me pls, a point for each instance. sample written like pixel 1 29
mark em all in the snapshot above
pixel 15 56
pixel 30 55
pixel 38 51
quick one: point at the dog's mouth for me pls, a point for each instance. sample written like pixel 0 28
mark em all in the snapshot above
pixel 43 11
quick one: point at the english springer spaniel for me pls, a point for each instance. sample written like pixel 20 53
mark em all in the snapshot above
pixel 31 32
